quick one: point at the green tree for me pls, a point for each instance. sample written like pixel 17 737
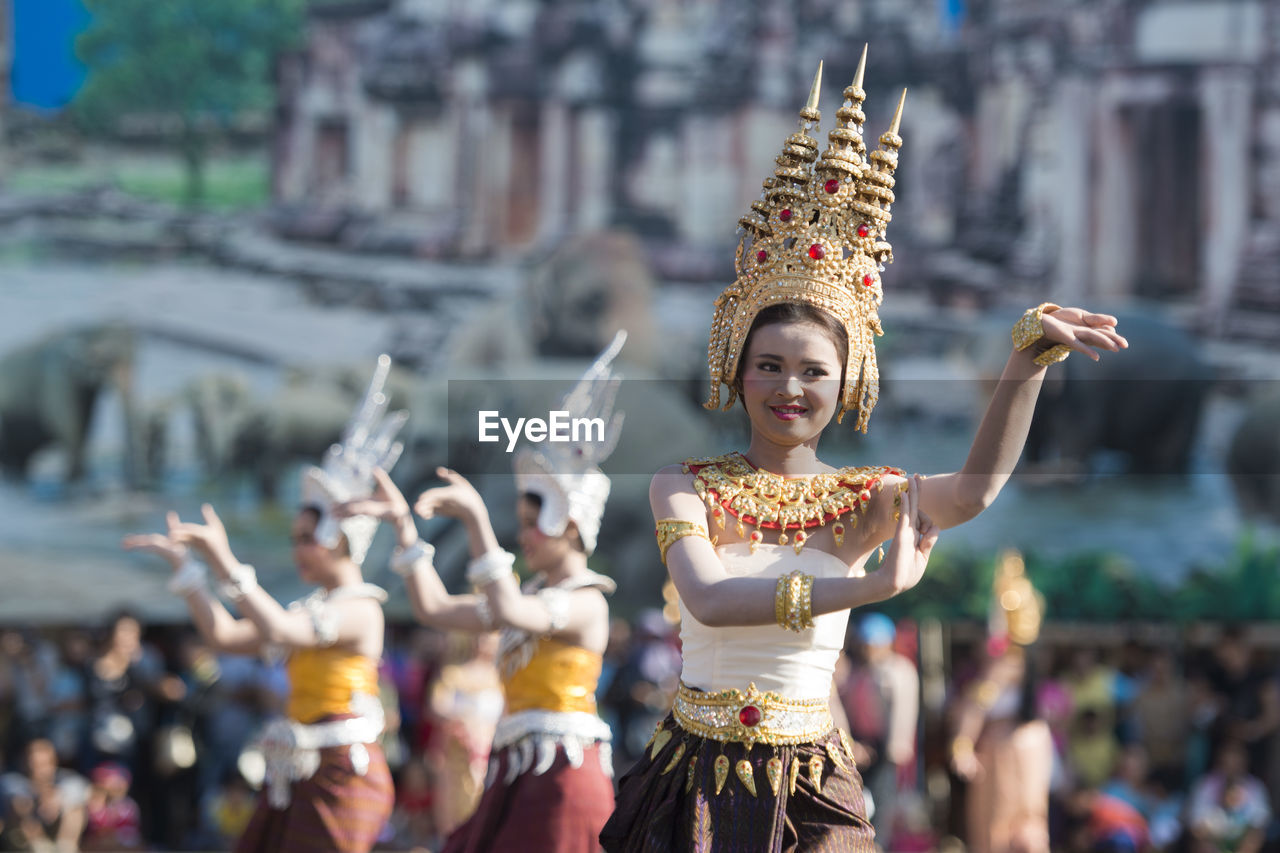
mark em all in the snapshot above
pixel 195 64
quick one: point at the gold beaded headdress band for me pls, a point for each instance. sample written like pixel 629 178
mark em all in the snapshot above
pixel 816 236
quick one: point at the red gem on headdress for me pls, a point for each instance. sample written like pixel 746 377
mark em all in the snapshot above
pixel 761 255
pixel 817 252
pixel 864 229
pixel 785 215
pixel 832 186
pixel 750 715
pixel 868 280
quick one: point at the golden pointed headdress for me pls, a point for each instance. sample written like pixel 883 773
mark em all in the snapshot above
pixel 816 236
pixel 1017 608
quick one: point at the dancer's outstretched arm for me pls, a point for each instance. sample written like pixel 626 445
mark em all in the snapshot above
pixel 952 499
pixel 352 623
pixel 432 604
pixel 586 608
pixel 222 631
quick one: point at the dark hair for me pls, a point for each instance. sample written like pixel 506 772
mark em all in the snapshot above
pixel 796 312
pixel 536 499
pixel 119 615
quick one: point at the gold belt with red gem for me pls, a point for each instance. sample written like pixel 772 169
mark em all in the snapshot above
pixel 751 716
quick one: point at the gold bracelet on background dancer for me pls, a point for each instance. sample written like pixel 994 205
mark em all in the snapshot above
pixel 671 529
pixel 1030 329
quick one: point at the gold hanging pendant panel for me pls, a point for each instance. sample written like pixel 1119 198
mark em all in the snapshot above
pixel 815 772
pixel 675 759
pixel 773 769
pixel 848 746
pixel 746 773
pixel 659 741
pixel 836 758
pixel 722 771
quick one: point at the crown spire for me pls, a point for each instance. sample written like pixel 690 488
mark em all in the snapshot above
pixel 897 116
pixel 815 90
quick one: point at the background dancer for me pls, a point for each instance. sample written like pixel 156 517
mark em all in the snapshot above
pixel 549 785
pixel 327 786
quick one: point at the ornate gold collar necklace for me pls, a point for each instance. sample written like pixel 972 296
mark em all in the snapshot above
pixel 730 484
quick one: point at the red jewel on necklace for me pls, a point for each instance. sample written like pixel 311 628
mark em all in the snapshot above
pixel 864 229
pixel 785 215
pixel 761 255
pixel 817 252
pixel 750 715
pixel 832 186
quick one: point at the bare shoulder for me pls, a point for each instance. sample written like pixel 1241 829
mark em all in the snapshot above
pixel 364 612
pixel 591 599
pixel 671 494
pixel 671 480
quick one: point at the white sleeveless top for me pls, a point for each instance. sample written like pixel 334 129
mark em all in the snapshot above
pixel 795 665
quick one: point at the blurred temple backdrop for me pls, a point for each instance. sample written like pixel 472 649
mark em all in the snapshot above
pixel 214 216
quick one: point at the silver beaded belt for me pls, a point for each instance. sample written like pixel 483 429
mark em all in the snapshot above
pixel 751 716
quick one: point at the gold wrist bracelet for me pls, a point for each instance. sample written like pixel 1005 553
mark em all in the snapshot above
pixel 1030 329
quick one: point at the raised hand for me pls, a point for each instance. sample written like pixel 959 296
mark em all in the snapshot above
pixel 386 503
pixel 1080 330
pixel 913 540
pixel 159 544
pixel 457 499
pixel 209 540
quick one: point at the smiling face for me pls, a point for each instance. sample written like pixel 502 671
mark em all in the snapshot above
pixel 790 379
pixel 541 552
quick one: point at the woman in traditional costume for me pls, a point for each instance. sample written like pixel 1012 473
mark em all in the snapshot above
pixel 749 758
pixel 1001 746
pixel 327 785
pixel 549 786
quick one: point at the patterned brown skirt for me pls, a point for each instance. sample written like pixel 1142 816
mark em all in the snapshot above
pixel 335 811
pixel 559 811
pixel 683 796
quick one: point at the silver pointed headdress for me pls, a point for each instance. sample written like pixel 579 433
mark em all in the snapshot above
pixel 566 475
pixel 346 473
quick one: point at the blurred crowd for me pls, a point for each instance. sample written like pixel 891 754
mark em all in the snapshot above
pixel 140 737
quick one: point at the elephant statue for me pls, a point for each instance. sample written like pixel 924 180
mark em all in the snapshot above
pixel 571 305
pixel 1253 458
pixel 49 390
pixel 1144 402
pixel 241 435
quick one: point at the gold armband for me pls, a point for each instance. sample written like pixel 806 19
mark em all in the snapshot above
pixel 671 529
pixel 793 601
pixel 1030 329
